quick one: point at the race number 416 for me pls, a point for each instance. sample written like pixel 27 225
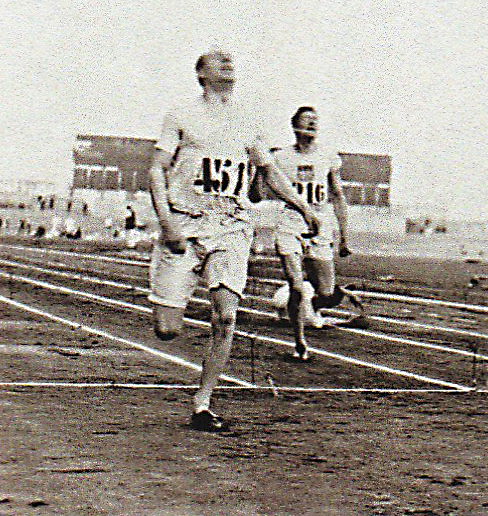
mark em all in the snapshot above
pixel 221 177
pixel 311 192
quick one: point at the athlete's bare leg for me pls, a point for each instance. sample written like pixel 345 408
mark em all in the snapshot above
pixel 224 308
pixel 297 309
pixel 168 321
pixel 173 283
pixel 321 274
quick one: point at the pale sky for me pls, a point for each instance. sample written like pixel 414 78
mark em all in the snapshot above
pixel 405 79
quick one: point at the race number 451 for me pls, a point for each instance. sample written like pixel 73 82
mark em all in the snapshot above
pixel 221 177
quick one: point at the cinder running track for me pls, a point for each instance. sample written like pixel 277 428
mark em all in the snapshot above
pixel 102 405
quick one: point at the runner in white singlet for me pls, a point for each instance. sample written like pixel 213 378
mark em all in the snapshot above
pixel 200 176
pixel 313 171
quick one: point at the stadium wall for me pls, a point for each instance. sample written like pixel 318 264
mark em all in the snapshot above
pixel 112 172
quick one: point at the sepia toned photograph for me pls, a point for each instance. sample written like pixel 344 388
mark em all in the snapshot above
pixel 243 258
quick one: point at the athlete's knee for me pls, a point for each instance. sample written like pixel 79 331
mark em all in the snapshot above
pixel 224 307
pixel 325 291
pixel 297 291
pixel 168 322
pixel 164 333
pixel 225 318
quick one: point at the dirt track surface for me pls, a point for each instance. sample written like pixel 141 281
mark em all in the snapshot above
pixel 129 451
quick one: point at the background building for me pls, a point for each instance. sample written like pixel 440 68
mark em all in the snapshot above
pixel 111 172
pixel 111 163
pixel 366 179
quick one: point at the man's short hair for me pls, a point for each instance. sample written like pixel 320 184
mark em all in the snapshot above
pixel 199 65
pixel 296 117
pixel 202 61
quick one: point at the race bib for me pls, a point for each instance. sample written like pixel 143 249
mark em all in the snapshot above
pixel 222 177
pixel 311 192
pixel 307 187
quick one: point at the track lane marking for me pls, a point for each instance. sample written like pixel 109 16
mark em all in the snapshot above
pixel 391 320
pixel 262 338
pixel 413 300
pixel 88 256
pixel 162 386
pixel 101 333
pixel 381 336
pixel 371 295
pixel 423 301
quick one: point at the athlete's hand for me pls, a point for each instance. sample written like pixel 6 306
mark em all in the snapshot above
pixel 344 251
pixel 174 240
pixel 313 223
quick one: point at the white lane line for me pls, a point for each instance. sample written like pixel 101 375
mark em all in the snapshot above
pixel 394 297
pixel 78 255
pixel 79 293
pixel 75 275
pixel 390 320
pixel 101 333
pixel 375 335
pixel 262 338
pixel 268 281
pixel 102 385
pixel 423 301
pixel 371 295
pixel 354 361
pixel 411 342
pixel 431 327
pixel 381 336
pixel 8 325
pixel 35 261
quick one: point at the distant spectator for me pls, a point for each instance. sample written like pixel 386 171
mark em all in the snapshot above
pixel 72 229
pixel 74 236
pixel 69 206
pixel 56 228
pixel 108 224
pixel 428 229
pixel 85 209
pixel 131 233
pixel 51 202
pixel 40 232
pixel 130 218
pixel 22 226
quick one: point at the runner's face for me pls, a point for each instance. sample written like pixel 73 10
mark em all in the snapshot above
pixel 307 123
pixel 219 72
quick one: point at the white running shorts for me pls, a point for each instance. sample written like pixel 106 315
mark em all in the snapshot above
pixel 220 260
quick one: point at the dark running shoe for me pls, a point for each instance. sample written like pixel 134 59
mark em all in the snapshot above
pixel 206 421
pixel 359 323
pixel 297 358
pixel 301 352
pixel 336 298
pixel 301 355
pixel 331 301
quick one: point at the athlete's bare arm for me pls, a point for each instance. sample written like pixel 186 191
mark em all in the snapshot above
pixel 278 182
pixel 340 208
pixel 171 234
